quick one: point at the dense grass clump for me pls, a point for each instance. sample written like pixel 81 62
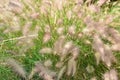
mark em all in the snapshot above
pixel 59 40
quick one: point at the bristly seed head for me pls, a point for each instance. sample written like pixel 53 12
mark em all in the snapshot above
pixel 111 75
pixel 60 30
pixel 45 50
pixel 48 63
pixel 58 45
pixel 72 30
pixel 71 67
pixel 17 68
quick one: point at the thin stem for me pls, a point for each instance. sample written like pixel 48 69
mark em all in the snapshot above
pixel 18 38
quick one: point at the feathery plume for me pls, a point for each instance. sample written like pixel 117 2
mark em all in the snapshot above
pixel 71 67
pixel 88 20
pixel 75 52
pixel 87 42
pixel 59 21
pixel 109 19
pixel 45 5
pixel 69 14
pixel 45 50
pixel 61 72
pixel 78 2
pixel 16 67
pixel 80 14
pixel 58 45
pixel 47 29
pixel 59 4
pixel 34 15
pixel 80 35
pixel 59 64
pixel 103 51
pixel 108 56
pixel 114 34
pixel 3 3
pixel 43 10
pixel 94 78
pixel 72 30
pixel 113 74
pixel 60 30
pixel 90 25
pixel 15 6
pixel 88 2
pixel 47 35
pixel 44 72
pixel 99 47
pixel 26 28
pixel 116 47
pixel 101 2
pixel 94 8
pixel 110 75
pixel 48 63
pixel 15 24
pixel 90 69
pixel 97 57
pixel 98 44
pixel 67 48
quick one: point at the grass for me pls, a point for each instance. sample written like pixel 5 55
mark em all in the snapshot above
pixel 28 54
